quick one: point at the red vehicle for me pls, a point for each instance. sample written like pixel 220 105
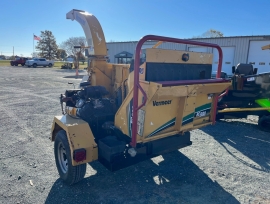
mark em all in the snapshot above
pixel 18 60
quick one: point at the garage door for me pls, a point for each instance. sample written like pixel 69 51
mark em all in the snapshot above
pixel 227 62
pixel 197 49
pixel 259 58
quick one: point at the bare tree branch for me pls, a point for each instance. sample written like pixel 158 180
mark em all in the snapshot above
pixel 212 33
pixel 69 44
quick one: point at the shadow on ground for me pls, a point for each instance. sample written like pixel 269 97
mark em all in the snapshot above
pixel 174 180
pixel 70 70
pixel 39 67
pixel 246 138
pixel 74 77
pixel 72 73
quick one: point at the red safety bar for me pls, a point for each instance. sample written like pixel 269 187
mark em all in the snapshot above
pixel 137 85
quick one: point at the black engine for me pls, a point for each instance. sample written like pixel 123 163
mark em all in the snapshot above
pixel 92 106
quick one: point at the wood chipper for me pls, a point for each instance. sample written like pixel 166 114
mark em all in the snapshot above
pixel 123 114
pixel 249 94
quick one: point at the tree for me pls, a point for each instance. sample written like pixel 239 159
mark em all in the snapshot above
pixel 69 44
pixel 35 54
pixel 2 57
pixel 212 33
pixel 47 45
pixel 61 54
pixel 82 57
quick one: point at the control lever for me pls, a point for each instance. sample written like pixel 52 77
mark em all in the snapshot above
pixel 72 83
pixel 61 102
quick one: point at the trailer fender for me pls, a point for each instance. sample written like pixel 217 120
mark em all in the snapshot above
pixel 79 136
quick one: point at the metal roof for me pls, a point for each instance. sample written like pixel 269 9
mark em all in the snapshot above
pixel 244 36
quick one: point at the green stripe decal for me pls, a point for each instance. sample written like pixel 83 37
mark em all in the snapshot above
pixel 187 119
pixel 190 117
pixel 163 127
pixel 203 107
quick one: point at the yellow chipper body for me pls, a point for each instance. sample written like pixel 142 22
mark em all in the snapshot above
pixel 123 114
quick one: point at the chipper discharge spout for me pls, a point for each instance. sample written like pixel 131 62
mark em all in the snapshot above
pixel 92 30
pixel 128 113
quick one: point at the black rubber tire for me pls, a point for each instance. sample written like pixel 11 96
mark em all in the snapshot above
pixel 74 174
pixel 50 65
pixel 44 66
pixel 28 66
pixel 22 65
pixel 262 123
pixel 34 65
pixel 16 64
pixel 11 64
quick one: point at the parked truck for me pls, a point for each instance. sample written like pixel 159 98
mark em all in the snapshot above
pixel 39 62
pixel 18 60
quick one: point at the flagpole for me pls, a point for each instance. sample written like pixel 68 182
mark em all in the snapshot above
pixel 33 44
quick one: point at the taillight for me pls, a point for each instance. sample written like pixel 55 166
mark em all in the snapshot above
pixel 79 155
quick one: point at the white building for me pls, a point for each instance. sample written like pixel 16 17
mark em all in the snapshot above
pixel 237 49
pixel 70 59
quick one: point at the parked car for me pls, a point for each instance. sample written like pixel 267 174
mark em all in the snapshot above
pixel 39 62
pixel 18 60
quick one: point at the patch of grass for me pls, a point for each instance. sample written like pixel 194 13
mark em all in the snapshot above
pixel 4 63
pixel 59 64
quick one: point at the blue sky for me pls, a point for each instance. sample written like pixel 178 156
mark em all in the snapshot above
pixel 129 20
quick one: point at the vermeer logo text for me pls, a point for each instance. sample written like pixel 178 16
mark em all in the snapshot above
pixel 161 103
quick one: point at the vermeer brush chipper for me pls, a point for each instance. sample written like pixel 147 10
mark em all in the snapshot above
pixel 124 114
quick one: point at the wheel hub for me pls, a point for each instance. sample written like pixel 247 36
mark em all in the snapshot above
pixel 62 158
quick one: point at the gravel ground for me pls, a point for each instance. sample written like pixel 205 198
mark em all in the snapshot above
pixel 227 163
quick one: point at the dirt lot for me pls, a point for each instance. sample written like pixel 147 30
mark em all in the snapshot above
pixel 227 163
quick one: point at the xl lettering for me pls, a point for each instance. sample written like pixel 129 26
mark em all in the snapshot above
pixel 201 113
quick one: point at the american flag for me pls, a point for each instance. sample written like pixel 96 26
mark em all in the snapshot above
pixel 36 37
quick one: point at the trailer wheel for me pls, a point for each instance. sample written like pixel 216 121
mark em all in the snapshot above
pixel 70 174
pixel 264 123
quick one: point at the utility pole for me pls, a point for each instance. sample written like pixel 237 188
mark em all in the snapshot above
pixel 13 52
